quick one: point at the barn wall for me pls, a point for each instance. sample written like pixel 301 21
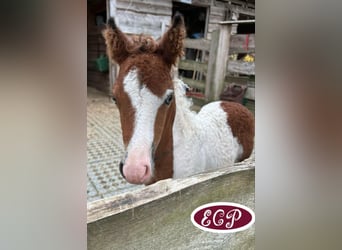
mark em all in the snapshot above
pixel 152 17
pixel 95 47
pixel 148 17
pixel 217 14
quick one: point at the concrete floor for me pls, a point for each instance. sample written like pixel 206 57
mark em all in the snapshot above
pixel 104 148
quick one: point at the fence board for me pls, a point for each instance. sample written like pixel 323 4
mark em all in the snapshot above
pixel 194 83
pixel 246 68
pixel 201 44
pixel 193 65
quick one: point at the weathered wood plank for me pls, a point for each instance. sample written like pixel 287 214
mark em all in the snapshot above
pixel 218 11
pixel 192 65
pixel 211 65
pixel 195 2
pixel 238 44
pixel 237 79
pixel 149 2
pixel 194 83
pixel 158 216
pixel 237 22
pixel 201 44
pixel 212 27
pixel 242 10
pixel 241 3
pixel 247 68
pixel 218 62
pixel 150 7
pixel 142 23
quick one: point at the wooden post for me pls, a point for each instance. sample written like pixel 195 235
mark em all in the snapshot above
pixel 218 59
pixel 111 12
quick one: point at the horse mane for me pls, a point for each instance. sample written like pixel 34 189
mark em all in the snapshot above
pixel 180 93
pixel 183 105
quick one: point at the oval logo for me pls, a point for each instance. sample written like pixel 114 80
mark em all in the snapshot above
pixel 223 217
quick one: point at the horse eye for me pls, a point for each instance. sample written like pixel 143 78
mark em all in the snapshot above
pixel 113 99
pixel 168 99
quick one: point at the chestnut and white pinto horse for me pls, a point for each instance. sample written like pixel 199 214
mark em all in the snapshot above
pixel 163 138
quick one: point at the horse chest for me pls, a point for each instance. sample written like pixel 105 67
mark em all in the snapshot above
pixel 187 158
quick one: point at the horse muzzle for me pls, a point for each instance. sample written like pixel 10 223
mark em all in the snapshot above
pixel 137 168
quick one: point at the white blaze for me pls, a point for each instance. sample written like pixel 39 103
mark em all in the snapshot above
pixel 146 105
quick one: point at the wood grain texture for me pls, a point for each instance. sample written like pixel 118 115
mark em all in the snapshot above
pixel 246 68
pixel 201 44
pixel 238 44
pixel 158 217
pixel 219 69
pixel 194 83
pixel 193 65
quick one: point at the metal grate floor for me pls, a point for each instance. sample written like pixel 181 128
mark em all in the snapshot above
pixel 104 148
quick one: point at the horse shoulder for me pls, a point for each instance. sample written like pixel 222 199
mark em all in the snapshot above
pixel 241 122
pixel 219 145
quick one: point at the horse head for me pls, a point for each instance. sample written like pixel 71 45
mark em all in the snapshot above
pixel 143 92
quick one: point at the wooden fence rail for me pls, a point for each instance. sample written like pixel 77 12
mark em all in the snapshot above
pixel 158 216
pixel 213 67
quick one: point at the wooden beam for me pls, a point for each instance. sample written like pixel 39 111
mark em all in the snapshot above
pixel 241 3
pixel 242 10
pixel 237 22
pixel 211 65
pixel 195 2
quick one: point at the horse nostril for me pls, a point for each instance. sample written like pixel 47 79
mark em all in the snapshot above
pixel 121 169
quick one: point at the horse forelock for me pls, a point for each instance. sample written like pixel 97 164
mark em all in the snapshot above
pixel 142 44
pixel 152 72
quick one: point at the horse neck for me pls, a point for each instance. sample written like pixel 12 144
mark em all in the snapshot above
pixel 163 161
pixel 180 124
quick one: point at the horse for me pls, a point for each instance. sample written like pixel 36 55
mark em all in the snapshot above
pixel 162 137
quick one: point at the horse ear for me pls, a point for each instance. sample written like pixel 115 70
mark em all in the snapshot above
pixel 116 41
pixel 171 43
